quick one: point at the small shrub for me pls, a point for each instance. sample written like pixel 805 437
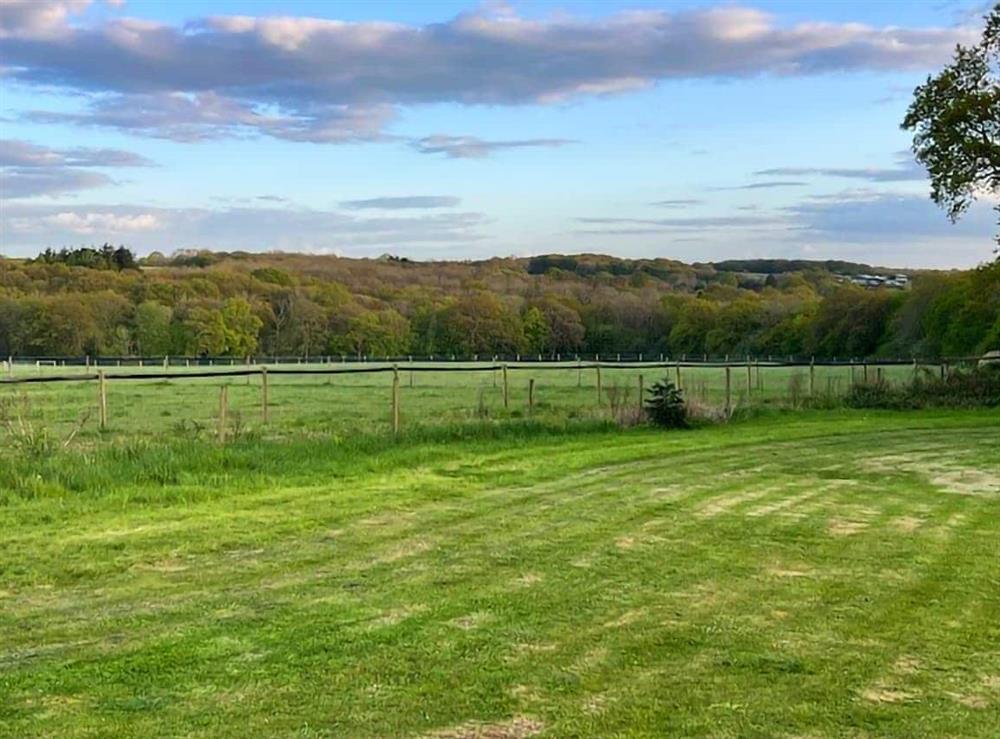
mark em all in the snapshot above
pixel 665 406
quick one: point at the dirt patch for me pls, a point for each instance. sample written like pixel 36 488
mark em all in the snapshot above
pixel 526 580
pixel 973 701
pixel 163 566
pixel 906 524
pixel 948 476
pixel 845 527
pixel 887 695
pixel 470 621
pixel 906 665
pixel 403 550
pixel 717 506
pixel 625 542
pixel 782 505
pixel 967 482
pixel 395 616
pixel 783 572
pixel 626 618
pixel 519 727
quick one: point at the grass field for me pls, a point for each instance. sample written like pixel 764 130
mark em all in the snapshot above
pixel 813 574
pixel 360 403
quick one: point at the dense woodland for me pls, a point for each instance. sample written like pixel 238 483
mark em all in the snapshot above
pixel 101 302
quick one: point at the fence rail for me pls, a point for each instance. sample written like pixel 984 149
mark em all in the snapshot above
pixel 422 365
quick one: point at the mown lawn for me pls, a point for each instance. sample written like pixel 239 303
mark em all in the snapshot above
pixel 811 575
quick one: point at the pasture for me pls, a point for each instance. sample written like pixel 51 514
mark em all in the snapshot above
pixel 816 574
pixel 438 395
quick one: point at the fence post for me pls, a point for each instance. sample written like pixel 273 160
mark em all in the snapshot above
pixel 812 377
pixel 411 371
pixel 102 405
pixel 749 378
pixel 598 368
pixel 395 400
pixel 641 390
pixel 579 372
pixel 864 373
pixel 531 396
pixel 223 412
pixel 729 391
pixel 263 393
pixel 506 394
pixel 677 370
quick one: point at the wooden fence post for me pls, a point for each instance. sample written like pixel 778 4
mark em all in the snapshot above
pixel 263 394
pixel 506 393
pixel 864 371
pixel 729 391
pixel 641 390
pixel 812 377
pixel 102 403
pixel 531 396
pixel 395 400
pixel 677 370
pixel 598 368
pixel 223 412
pixel 749 378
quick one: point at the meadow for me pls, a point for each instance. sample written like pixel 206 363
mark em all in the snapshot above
pixel 824 573
pixel 344 404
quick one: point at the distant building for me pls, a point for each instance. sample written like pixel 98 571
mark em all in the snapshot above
pixel 895 282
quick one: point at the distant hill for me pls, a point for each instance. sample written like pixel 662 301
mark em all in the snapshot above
pixel 215 303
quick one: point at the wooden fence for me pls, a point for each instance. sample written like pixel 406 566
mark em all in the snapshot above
pixel 744 379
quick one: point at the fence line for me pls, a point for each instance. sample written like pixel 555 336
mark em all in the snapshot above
pixel 694 377
pixel 255 370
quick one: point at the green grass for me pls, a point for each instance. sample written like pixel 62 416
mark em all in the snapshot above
pixel 816 574
pixel 361 403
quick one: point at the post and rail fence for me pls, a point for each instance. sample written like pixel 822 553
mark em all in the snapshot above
pixel 686 374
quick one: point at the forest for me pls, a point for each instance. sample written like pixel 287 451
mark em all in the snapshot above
pixel 104 302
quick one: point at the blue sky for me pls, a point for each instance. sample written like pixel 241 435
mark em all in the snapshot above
pixel 695 131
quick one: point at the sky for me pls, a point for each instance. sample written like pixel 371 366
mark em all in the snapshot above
pixel 697 131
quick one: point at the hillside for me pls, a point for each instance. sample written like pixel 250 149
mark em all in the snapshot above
pixel 95 302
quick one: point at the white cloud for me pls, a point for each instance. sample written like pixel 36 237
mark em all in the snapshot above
pixel 470 147
pixel 25 228
pixel 323 80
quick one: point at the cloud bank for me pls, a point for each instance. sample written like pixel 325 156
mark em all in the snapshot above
pixel 29 227
pixel 329 81
pixel 29 170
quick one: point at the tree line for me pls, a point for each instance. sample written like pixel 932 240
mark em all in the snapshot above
pixel 240 304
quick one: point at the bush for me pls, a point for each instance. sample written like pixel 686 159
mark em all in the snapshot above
pixel 665 406
pixel 975 388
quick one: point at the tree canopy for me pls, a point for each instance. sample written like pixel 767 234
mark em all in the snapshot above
pixel 955 117
pixel 309 305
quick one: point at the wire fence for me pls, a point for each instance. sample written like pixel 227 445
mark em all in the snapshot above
pixel 100 397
